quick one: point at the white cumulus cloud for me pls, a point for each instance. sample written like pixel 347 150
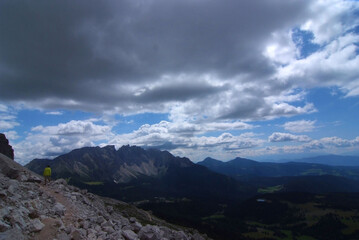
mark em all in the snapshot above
pixel 299 126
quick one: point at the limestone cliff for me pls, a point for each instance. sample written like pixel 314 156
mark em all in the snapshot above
pixel 30 210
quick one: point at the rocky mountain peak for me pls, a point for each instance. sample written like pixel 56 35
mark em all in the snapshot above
pixel 5 147
pixel 31 210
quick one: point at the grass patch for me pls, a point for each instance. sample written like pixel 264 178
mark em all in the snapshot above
pixel 214 217
pixel 93 183
pixel 314 171
pixel 305 237
pixel 352 225
pixel 260 234
pixel 270 189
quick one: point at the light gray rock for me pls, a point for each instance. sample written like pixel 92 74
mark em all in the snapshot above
pixel 116 235
pixel 60 181
pixel 129 235
pixel 109 209
pixel 85 224
pixel 136 226
pixel 63 236
pixel 97 228
pixel 108 229
pixel 36 225
pixel 34 179
pixel 149 232
pixel 22 178
pixel 180 235
pixel 100 220
pixel 12 188
pixel 16 218
pixel 59 209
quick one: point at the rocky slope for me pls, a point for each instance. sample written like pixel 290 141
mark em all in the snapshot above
pixel 5 147
pixel 30 210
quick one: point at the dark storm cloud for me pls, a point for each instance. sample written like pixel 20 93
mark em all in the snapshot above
pixel 178 92
pixel 92 54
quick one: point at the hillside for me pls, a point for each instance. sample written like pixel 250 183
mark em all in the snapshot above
pixel 30 210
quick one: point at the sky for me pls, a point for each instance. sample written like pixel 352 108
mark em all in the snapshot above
pixel 261 79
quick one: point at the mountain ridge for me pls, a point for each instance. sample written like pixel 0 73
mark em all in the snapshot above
pixel 139 174
pixel 109 164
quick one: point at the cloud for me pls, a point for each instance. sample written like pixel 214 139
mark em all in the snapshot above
pixel 334 65
pixel 176 133
pixel 56 113
pixel 299 126
pixel 339 142
pixel 181 138
pixel 8 124
pixel 334 145
pixel 7 118
pixel 209 65
pixel 11 135
pixel 132 57
pixel 74 127
pixel 51 141
pixel 3 108
pixel 286 137
pixel 331 18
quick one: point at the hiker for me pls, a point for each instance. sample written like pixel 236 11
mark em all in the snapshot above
pixel 47 174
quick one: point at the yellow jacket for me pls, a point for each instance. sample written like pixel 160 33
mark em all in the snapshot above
pixel 47 172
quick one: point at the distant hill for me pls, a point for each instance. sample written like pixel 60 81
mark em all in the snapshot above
pixel 332 160
pixel 242 168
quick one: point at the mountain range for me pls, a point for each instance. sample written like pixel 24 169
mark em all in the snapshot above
pixel 109 164
pixel 242 168
pixel 331 160
pixel 205 195
pixel 138 174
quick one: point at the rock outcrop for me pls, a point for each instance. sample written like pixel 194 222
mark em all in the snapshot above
pixel 5 147
pixel 30 210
